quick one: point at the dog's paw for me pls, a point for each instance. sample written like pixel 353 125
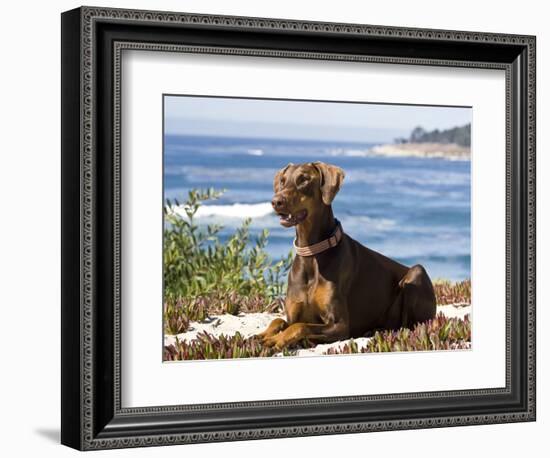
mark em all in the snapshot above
pixel 274 342
pixel 261 336
pixel 277 326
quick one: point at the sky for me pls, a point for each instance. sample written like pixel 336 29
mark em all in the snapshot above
pixel 306 120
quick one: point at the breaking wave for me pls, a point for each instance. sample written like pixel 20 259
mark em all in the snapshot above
pixel 236 210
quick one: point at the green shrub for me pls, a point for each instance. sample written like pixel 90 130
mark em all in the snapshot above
pixel 204 275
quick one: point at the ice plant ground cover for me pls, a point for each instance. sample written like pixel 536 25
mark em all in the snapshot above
pixel 232 336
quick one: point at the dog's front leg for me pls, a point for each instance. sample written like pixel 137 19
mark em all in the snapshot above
pixel 292 311
pixel 297 332
pixel 275 327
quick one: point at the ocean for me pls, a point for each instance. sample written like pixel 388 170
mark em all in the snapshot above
pixel 414 210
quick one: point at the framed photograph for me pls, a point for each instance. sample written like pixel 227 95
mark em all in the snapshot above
pixel 277 228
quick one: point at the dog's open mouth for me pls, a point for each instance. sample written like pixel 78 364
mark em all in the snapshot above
pixel 289 219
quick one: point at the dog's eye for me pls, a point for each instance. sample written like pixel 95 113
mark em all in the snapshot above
pixel 301 180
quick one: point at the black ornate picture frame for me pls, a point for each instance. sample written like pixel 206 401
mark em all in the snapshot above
pixel 92 42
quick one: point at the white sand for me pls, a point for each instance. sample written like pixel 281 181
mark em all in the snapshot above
pixel 455 310
pixel 248 324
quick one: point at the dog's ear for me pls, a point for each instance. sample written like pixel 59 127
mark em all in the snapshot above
pixel 331 178
pixel 278 175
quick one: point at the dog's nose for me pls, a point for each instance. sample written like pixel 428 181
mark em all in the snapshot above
pixel 278 202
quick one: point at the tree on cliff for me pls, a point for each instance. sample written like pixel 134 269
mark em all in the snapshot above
pixel 459 135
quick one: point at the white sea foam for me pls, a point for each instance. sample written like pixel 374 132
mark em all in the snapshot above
pixel 349 152
pixel 226 175
pixel 409 178
pixel 395 151
pixel 236 210
pixel 255 152
pixel 423 150
pixel 364 224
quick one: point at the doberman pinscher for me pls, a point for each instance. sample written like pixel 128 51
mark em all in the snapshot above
pixel 338 288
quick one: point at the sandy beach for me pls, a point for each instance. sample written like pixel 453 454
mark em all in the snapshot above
pixel 248 324
pixel 450 151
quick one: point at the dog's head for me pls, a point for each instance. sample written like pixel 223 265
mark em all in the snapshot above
pixel 301 190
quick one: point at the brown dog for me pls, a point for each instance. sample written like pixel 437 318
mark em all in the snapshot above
pixel 346 290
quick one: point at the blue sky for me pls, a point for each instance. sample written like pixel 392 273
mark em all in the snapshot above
pixel 359 122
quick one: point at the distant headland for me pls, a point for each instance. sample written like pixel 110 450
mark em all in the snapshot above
pixel 452 144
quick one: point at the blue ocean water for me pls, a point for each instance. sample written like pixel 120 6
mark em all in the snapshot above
pixel 415 210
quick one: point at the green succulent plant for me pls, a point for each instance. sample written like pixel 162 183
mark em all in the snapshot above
pixel 206 346
pixel 203 275
pixel 447 292
pixel 441 333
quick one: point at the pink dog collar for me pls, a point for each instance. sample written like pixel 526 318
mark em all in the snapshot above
pixel 316 248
